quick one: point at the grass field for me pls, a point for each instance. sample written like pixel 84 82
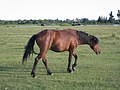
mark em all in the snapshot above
pixel 94 72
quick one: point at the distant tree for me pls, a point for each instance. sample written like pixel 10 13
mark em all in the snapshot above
pixel 77 20
pixel 102 19
pixel 118 14
pixel 67 21
pixel 84 21
pixel 111 18
pixel 99 19
pixel 2 22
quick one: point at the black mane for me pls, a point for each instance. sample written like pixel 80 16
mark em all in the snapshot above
pixel 83 37
pixel 86 38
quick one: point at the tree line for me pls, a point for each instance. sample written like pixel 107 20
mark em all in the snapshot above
pixel 67 22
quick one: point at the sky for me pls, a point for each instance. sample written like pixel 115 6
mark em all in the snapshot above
pixel 57 9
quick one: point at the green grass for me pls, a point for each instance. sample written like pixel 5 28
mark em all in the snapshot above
pixel 94 72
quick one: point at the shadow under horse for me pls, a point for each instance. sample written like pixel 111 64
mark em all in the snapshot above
pixel 59 41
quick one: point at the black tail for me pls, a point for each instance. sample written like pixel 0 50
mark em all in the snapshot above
pixel 29 49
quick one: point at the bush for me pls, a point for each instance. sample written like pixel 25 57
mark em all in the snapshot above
pixel 64 24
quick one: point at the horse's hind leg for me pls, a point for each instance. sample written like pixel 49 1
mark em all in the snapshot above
pixel 33 72
pixel 46 66
pixel 43 56
pixel 40 55
pixel 44 60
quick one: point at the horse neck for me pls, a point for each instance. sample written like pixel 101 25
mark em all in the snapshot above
pixel 83 37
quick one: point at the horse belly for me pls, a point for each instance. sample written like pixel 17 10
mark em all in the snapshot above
pixel 59 47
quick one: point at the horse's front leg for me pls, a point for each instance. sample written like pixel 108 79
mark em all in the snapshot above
pixel 69 69
pixel 75 63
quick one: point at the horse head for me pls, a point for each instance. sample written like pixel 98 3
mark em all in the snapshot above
pixel 94 44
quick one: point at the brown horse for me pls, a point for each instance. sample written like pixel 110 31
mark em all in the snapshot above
pixel 59 41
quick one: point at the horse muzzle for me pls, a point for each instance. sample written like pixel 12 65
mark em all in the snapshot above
pixel 96 49
pixel 97 52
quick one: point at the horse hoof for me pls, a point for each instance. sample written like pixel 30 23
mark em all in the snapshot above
pixel 70 70
pixel 73 68
pixel 49 73
pixel 33 74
